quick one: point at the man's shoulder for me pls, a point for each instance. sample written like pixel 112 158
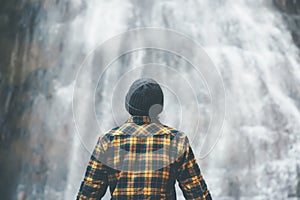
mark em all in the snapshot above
pixel 173 131
pixel 112 132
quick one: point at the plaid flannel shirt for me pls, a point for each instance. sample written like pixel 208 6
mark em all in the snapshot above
pixel 143 160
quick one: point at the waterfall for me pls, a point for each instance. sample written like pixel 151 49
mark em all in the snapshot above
pixel 257 155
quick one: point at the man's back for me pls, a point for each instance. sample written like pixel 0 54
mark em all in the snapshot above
pixel 143 159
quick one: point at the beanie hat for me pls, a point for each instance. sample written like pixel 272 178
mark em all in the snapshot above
pixel 145 97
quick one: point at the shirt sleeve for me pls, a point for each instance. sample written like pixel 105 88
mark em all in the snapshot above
pixel 190 178
pixel 95 182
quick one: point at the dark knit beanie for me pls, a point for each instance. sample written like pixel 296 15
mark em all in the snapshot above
pixel 145 97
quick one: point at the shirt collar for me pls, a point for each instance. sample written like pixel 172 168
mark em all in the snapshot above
pixel 139 119
pixel 142 119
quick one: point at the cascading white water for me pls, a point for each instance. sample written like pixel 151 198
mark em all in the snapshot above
pixel 258 153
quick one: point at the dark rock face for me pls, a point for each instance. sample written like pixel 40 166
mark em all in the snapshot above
pixel 13 26
pixel 29 66
pixel 288 6
pixel 291 11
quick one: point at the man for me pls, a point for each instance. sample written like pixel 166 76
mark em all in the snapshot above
pixel 143 159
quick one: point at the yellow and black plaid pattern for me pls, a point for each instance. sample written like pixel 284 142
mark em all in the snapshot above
pixel 143 160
